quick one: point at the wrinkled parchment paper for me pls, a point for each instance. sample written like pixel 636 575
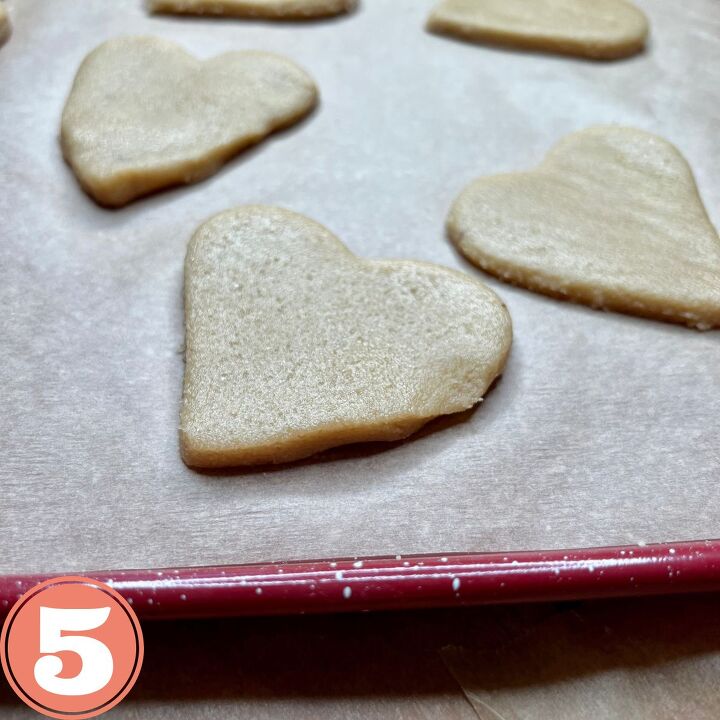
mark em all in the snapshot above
pixel 604 428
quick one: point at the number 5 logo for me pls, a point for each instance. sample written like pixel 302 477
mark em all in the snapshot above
pixel 96 658
pixel 71 647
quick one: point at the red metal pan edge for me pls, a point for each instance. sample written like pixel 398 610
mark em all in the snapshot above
pixel 403 582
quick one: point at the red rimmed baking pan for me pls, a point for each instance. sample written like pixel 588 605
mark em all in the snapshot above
pixel 602 432
pixel 416 581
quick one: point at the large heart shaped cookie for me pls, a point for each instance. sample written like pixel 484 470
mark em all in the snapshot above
pixel 143 114
pixel 602 29
pixel 611 218
pixel 268 9
pixel 294 345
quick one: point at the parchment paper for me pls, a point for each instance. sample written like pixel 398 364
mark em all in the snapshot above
pixel 604 428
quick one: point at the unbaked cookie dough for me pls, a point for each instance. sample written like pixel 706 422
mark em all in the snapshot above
pixel 143 114
pixel 601 29
pixel 295 345
pixel 5 27
pixel 611 218
pixel 268 9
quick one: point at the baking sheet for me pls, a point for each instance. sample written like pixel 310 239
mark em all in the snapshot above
pixel 603 429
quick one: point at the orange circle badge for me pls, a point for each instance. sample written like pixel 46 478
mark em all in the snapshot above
pixel 71 647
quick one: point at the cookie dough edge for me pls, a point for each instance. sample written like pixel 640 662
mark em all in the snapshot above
pixel 5 24
pixel 318 9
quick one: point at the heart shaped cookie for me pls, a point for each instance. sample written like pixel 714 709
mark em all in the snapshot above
pixel 611 218
pixel 143 114
pixel 601 29
pixel 294 345
pixel 268 9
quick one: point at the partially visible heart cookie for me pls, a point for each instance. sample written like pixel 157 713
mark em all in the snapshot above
pixel 268 9
pixel 143 114
pixel 601 29
pixel 611 218
pixel 5 27
pixel 294 345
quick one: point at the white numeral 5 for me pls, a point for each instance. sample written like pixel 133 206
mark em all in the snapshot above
pixel 97 661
